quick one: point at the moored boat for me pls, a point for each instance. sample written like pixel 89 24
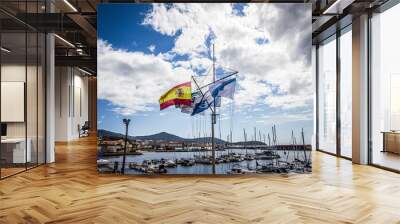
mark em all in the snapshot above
pixel 240 170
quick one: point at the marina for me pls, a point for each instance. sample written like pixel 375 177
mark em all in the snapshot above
pixel 201 151
pixel 227 162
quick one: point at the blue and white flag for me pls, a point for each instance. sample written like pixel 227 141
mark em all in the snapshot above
pixel 196 97
pixel 223 88
pixel 202 102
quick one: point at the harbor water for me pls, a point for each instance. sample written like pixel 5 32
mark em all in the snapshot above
pixel 221 168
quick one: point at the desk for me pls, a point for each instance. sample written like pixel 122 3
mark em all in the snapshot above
pixel 391 142
pixel 13 150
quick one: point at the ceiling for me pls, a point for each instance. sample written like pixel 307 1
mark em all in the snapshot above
pixel 75 23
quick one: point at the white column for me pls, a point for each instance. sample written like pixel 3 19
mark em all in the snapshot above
pixel 50 92
pixel 360 90
pixel 50 99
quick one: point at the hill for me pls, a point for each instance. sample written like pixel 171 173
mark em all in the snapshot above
pixel 162 136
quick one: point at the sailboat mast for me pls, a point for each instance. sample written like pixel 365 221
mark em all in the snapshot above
pixel 269 140
pixel 245 140
pixel 304 146
pixel 213 117
pixel 230 139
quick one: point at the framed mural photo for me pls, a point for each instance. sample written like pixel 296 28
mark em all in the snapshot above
pixel 204 88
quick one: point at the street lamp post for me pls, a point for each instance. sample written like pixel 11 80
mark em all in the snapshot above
pixel 126 122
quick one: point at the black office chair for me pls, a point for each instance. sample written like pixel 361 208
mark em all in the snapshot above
pixel 84 130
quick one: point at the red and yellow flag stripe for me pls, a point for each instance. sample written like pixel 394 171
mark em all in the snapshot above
pixel 178 95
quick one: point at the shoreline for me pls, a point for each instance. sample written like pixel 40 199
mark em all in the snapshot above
pixel 141 152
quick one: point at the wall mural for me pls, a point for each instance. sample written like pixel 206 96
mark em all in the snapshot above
pixel 214 88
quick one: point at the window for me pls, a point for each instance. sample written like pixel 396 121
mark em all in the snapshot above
pixel 385 88
pixel 346 93
pixel 327 95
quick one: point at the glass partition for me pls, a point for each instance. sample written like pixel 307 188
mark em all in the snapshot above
pixel 14 153
pixel 385 89
pixel 327 95
pixel 22 88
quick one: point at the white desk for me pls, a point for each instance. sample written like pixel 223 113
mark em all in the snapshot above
pixel 18 149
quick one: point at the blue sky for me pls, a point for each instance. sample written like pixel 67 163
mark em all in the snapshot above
pixel 145 49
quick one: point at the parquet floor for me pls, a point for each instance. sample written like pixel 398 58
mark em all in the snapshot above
pixel 71 191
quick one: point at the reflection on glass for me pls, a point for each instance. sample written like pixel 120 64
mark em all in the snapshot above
pixel 327 96
pixel 14 153
pixel 346 94
pixel 394 102
pixel 385 85
pixel 22 91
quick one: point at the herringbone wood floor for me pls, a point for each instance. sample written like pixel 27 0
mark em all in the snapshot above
pixel 71 191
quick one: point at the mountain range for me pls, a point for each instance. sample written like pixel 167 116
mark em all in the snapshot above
pixel 162 136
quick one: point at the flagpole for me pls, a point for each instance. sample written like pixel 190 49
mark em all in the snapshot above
pixel 213 117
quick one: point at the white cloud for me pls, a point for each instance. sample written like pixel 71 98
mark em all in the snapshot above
pixel 134 81
pixel 282 62
pixel 276 73
pixel 152 48
pixel 285 117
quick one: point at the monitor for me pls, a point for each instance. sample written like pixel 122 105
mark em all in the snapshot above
pixel 3 129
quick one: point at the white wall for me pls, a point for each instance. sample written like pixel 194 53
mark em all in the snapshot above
pixel 33 126
pixel 71 102
pixel 61 103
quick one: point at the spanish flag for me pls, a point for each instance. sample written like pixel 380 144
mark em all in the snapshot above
pixel 180 95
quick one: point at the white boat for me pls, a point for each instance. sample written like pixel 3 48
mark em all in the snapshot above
pixel 103 162
pixel 169 163
pixel 240 170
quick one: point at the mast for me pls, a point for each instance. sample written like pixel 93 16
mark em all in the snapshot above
pixel 231 136
pixel 245 139
pixel 304 146
pixel 220 132
pixel 230 140
pixel 213 115
pixel 274 135
pixel 295 146
pixel 269 140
